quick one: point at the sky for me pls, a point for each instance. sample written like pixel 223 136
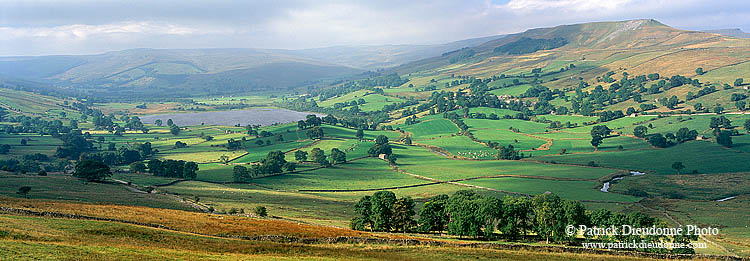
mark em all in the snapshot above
pixel 46 27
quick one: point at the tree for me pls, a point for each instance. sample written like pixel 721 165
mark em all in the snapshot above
pixel 677 165
pixel 640 131
pixel 747 125
pixel 261 211
pixel 575 214
pixel 598 133
pixel 273 162
pixel 315 133
pixel 240 174
pixel 300 155
pixel 685 134
pixel 433 215
pixel 740 105
pixel 224 159
pixel 738 82
pixel 724 138
pixel 360 134
pixel 516 216
pixel 337 156
pixel 4 149
pixel 403 214
pixel 376 149
pixel 699 71
pixel 382 210
pixel 363 211
pixel 137 167
pixel 170 122
pixel 658 140
pixel 466 218
pixel 318 156
pixel 91 170
pixel 392 159
pixel 381 140
pixel 190 170
pixel 718 123
pixel 549 215
pixel 407 140
pixel 24 141
pixel 290 166
pixel 24 191
pixel 158 122
pixel 174 129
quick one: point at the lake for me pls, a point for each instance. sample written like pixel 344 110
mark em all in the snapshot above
pixel 262 116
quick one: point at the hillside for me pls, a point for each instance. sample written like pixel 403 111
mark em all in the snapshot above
pixel 636 46
pixel 148 73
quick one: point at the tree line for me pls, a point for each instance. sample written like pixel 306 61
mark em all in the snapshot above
pixel 468 214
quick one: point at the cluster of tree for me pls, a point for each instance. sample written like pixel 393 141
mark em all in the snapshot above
pixel 459 55
pixel 309 122
pixel 722 129
pixel 32 165
pixel 381 147
pixel 74 143
pixel 668 139
pixel 530 45
pixel 467 214
pixel 173 168
pixel 384 212
pixel 91 170
pixel 273 163
pixel 37 125
pixel 122 155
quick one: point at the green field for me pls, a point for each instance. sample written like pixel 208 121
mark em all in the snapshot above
pixel 431 129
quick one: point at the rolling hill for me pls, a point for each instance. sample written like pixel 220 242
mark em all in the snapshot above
pixel 636 46
pixel 145 73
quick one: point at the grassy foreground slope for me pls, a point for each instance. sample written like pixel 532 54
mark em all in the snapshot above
pixel 201 236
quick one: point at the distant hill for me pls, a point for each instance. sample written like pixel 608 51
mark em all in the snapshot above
pixel 148 73
pixel 154 72
pixel 736 32
pixel 384 56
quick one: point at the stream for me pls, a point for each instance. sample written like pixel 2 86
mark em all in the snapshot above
pixel 605 186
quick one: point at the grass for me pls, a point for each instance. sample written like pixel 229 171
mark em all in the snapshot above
pixel 505 124
pixel 82 239
pixel 66 187
pixel 705 157
pixel 574 190
pixel 462 146
pixel 505 137
pixel 413 159
pixel 431 129
pixel 368 173
pixel 689 186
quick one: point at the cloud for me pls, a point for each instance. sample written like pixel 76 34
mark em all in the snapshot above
pixel 91 26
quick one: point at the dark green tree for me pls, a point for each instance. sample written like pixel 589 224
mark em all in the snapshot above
pixel 91 170
pixel 724 138
pixel 550 216
pixel 363 211
pixel 382 210
pixel 403 214
pixel 640 131
pixel 381 140
pixel 240 174
pixel 678 166
pixel 300 155
pixel 24 191
pixel 337 156
pixel 433 216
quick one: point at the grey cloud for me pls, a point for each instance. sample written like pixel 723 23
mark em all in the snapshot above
pixel 84 26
